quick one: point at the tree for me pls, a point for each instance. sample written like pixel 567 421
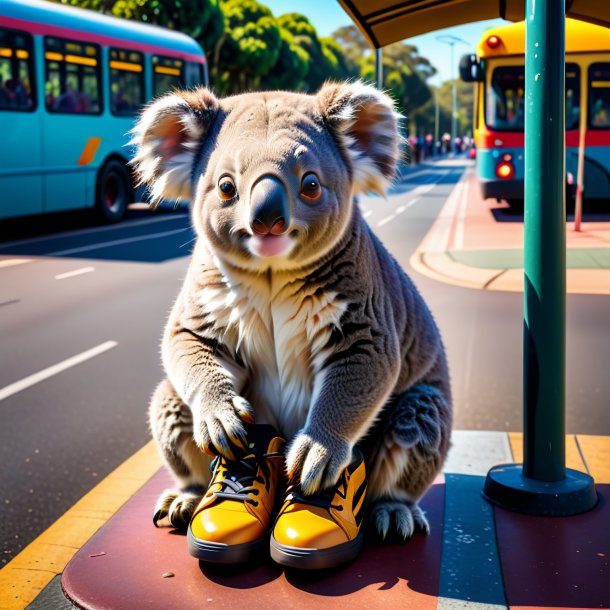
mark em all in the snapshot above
pixel 291 66
pixel 326 58
pixel 201 19
pixel 401 77
pixel 249 48
pixel 405 72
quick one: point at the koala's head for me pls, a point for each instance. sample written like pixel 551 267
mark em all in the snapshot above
pixel 271 176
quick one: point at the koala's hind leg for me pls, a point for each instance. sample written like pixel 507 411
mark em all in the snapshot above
pixel 409 455
pixel 171 423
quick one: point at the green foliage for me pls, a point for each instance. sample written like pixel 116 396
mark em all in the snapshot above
pixel 201 19
pixel 326 58
pixel 250 46
pixel 424 117
pixel 291 66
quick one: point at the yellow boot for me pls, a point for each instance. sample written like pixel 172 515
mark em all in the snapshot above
pixel 323 530
pixel 232 522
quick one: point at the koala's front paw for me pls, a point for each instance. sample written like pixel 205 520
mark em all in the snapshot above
pixel 221 427
pixel 315 463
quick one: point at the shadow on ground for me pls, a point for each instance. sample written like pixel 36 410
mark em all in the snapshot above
pixel 143 236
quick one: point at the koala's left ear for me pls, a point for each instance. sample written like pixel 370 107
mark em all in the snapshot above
pixel 168 136
pixel 366 126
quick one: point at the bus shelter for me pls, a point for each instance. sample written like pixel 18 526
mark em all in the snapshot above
pixel 542 484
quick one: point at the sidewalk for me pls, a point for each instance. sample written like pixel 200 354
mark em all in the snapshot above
pixel 477 243
pixel 477 556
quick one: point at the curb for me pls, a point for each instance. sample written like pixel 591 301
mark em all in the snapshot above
pixel 432 258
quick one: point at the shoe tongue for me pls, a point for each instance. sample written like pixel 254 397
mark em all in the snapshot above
pixel 260 435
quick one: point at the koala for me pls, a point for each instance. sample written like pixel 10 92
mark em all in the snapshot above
pixel 292 312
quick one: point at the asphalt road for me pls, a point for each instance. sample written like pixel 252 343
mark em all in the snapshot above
pixel 81 318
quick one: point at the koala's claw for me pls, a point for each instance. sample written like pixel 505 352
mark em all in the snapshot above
pixel 222 430
pixel 316 465
pixel 398 519
pixel 175 508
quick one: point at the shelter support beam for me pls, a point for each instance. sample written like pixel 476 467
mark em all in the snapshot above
pixel 542 484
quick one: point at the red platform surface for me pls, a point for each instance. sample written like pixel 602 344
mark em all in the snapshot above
pixel 122 567
pixel 556 563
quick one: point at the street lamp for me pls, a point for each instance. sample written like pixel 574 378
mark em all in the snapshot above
pixel 452 41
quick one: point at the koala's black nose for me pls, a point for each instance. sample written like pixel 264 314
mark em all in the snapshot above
pixel 269 207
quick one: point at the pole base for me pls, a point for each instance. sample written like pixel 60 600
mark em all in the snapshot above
pixel 506 486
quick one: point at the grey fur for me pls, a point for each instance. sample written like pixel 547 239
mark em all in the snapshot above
pixel 329 340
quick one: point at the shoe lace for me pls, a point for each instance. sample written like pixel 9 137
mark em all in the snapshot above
pixel 238 483
pixel 323 499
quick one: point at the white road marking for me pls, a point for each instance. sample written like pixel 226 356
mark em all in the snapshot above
pixel 115 227
pixel 385 220
pixel 437 239
pixel 81 271
pixel 115 242
pixel 458 237
pixel 31 380
pixel 399 210
pixel 422 189
pixel 367 214
pixel 11 262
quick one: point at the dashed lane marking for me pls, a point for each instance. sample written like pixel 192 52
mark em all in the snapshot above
pixel 50 371
pixel 81 271
pixel 399 210
pixel 11 262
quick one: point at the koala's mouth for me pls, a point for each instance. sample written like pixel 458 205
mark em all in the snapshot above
pixel 270 245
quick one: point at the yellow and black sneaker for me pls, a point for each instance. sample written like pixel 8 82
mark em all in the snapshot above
pixel 232 522
pixel 324 530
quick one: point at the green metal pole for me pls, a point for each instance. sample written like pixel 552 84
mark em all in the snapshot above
pixel 545 242
pixel 379 68
pixel 542 485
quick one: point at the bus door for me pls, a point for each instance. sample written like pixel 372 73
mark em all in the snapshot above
pixel 73 122
pixel 20 126
pixel 597 152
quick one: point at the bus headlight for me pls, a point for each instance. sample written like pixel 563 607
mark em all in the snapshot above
pixel 505 170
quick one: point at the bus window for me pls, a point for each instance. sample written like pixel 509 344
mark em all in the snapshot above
pixel 504 104
pixel 167 74
pixel 72 77
pixel 505 98
pixel 599 96
pixel 16 71
pixel 126 82
pixel 572 96
pixel 193 74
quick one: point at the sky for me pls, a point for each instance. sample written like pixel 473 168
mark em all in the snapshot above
pixel 327 16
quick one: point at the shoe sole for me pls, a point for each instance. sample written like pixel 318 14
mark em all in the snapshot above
pixel 217 552
pixel 315 559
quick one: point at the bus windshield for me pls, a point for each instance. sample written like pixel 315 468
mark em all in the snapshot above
pixel 505 98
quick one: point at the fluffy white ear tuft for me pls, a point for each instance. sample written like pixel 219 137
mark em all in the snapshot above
pixel 366 126
pixel 167 137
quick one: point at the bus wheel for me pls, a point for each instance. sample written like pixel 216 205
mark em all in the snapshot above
pixel 516 205
pixel 113 192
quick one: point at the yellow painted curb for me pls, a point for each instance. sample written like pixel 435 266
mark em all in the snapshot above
pixel 23 578
pixel 573 455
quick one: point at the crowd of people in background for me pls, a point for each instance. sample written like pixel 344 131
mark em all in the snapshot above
pixel 423 146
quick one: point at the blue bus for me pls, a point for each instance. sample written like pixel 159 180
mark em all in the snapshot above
pixel 71 83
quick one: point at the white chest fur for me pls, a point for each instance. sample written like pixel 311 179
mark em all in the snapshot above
pixel 277 326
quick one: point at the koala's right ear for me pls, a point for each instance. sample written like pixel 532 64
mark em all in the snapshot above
pixel 168 136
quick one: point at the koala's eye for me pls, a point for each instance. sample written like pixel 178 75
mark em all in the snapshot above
pixel 310 187
pixel 226 188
